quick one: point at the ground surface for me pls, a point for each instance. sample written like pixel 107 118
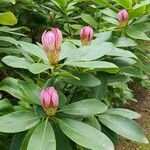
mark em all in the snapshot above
pixel 143 107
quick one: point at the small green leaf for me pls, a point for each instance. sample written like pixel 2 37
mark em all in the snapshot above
pixel 111 20
pixel 85 135
pixel 18 121
pixel 90 20
pixel 42 138
pixel 87 107
pixel 124 126
pixel 7 18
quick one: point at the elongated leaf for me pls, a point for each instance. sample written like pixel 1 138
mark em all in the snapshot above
pixel 5 105
pixel 99 65
pixel 124 112
pixel 18 121
pixel 109 12
pixel 33 49
pixel 16 62
pixel 68 50
pixel 8 39
pixel 124 126
pixel 11 86
pixel 111 20
pixel 125 3
pixel 7 18
pixel 43 138
pixel 84 80
pixel 85 135
pixel 26 140
pixel 124 42
pixel 87 107
pixel 39 68
pixel 136 34
pixel 91 52
pixel 90 20
pixel 122 53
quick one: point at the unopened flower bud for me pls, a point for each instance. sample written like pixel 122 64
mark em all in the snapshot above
pixel 86 35
pixel 123 18
pixel 49 100
pixel 51 41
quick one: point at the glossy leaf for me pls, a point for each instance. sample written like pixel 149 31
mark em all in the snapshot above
pixel 42 138
pixel 85 135
pixel 87 107
pixel 84 80
pixel 124 112
pixel 18 121
pixel 99 65
pixel 124 126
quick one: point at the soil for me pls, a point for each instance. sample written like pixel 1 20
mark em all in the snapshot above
pixel 143 107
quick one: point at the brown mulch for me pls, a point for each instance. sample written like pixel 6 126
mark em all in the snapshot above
pixel 143 107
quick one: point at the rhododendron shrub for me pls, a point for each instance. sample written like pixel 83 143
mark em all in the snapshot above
pixel 65 69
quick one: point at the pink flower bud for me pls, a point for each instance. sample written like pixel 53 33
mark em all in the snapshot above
pixel 51 41
pixel 49 100
pixel 86 35
pixel 123 18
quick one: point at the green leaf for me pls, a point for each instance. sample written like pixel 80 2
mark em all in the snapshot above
pixel 63 99
pixel 124 42
pixel 42 138
pixel 9 39
pixel 136 34
pixel 7 18
pixel 102 37
pixel 125 3
pixel 132 71
pixel 92 121
pixel 124 126
pixel 123 112
pixel 16 62
pixel 87 107
pixel 101 2
pixel 85 135
pixel 89 20
pixel 109 12
pixel 33 50
pixel 17 140
pixel 68 49
pixel 91 52
pixel 39 68
pixel 31 91
pixel 11 1
pixel 60 3
pixel 84 80
pixel 111 20
pixel 139 9
pixel 99 91
pixel 26 140
pixel 11 86
pixel 5 105
pixel 99 65
pixel 18 121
